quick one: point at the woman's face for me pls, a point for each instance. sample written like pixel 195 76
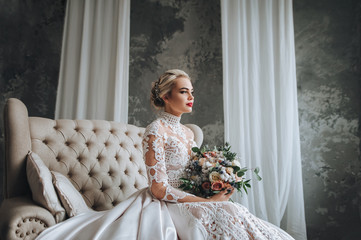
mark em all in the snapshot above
pixel 180 100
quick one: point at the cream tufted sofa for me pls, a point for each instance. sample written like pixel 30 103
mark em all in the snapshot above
pixel 103 160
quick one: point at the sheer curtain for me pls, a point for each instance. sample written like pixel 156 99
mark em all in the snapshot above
pixel 93 79
pixel 260 107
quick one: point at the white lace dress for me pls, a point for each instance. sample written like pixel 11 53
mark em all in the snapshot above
pixel 167 148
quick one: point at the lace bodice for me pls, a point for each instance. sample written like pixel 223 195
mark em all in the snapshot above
pixel 167 149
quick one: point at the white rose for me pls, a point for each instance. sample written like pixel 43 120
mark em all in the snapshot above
pixel 236 163
pixel 225 177
pixel 214 176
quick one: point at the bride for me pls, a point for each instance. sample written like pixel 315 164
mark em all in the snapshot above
pixel 162 211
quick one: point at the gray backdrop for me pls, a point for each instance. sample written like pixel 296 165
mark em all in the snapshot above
pixel 187 35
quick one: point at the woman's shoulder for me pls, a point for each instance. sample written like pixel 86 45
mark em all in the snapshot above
pixel 188 131
pixel 154 128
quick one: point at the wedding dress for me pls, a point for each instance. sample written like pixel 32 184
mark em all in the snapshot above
pixel 167 148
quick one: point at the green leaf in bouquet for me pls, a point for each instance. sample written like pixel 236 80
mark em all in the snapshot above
pixel 240 173
pixel 204 149
pixel 244 169
pixel 196 150
pixel 230 156
pixel 246 183
pixel 256 172
pixel 245 189
pixel 185 180
pixel 236 168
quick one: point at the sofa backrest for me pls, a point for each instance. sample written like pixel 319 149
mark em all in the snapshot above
pixel 103 159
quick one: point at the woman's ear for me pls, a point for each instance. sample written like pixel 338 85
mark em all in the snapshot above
pixel 165 98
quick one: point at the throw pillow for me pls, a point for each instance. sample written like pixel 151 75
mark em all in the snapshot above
pixel 71 199
pixel 40 182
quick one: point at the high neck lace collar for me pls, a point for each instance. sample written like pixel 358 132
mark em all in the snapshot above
pixel 170 118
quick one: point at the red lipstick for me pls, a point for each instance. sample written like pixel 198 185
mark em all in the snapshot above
pixel 190 104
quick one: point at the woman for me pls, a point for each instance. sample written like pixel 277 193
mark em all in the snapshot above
pixel 162 211
pixel 167 148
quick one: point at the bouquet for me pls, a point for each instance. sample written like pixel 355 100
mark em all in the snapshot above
pixel 211 171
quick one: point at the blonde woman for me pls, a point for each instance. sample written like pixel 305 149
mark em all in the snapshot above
pixel 167 147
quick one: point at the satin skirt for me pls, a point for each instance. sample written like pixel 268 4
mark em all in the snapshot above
pixel 139 217
pixel 143 216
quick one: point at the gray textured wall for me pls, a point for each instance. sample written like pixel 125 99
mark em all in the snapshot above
pixel 184 35
pixel 327 38
pixel 187 35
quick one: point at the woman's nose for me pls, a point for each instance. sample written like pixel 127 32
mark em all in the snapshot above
pixel 191 96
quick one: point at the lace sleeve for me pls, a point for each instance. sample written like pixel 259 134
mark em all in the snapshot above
pixel 153 149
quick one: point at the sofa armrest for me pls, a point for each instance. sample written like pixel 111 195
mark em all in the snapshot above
pixel 22 218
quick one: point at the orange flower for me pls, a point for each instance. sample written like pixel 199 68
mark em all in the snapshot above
pixel 217 185
pixel 206 185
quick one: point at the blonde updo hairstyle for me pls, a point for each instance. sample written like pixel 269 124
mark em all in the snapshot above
pixel 163 86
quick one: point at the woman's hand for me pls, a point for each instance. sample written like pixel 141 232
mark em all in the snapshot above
pixel 224 195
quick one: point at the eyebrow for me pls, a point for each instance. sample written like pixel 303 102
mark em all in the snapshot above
pixel 185 88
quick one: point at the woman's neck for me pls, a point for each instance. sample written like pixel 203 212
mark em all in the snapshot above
pixel 170 118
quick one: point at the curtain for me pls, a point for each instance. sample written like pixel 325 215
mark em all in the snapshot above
pixel 93 78
pixel 260 107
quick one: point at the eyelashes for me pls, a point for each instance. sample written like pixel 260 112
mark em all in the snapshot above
pixel 187 92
